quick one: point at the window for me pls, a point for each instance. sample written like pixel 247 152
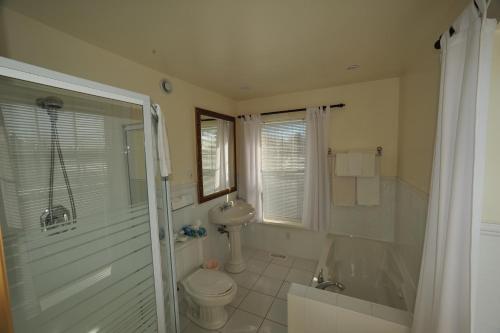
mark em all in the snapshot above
pixel 209 157
pixel 283 164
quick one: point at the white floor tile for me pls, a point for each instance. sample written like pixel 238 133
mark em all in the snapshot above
pixel 276 271
pixel 282 293
pixel 288 261
pixel 242 322
pixel 230 310
pixel 305 264
pixel 256 303
pixel 193 328
pixel 240 295
pixel 247 252
pixel 256 266
pixel 262 255
pixel 300 276
pixel 278 312
pixel 272 327
pixel 267 285
pixel 245 279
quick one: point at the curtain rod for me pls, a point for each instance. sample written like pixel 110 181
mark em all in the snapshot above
pixel 335 106
pixel 437 44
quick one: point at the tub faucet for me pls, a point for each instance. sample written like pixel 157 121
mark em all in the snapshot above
pixel 326 284
pixel 320 278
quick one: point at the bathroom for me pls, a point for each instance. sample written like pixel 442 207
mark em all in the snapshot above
pixel 296 86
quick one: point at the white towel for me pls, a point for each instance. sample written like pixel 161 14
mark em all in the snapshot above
pixel 343 191
pixel 368 188
pixel 163 148
pixel 355 164
pixel 368 191
pixel 348 164
pixel 368 164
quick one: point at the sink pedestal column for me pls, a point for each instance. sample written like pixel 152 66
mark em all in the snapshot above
pixel 236 263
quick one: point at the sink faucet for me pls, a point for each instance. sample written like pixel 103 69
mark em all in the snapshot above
pixel 226 205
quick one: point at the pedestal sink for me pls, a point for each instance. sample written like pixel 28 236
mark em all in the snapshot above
pixel 232 215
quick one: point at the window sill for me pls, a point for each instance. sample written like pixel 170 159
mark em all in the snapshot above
pixel 285 224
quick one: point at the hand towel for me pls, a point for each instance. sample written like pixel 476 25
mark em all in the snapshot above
pixel 343 191
pixel 163 148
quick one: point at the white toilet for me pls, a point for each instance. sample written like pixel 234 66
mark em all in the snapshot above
pixel 207 292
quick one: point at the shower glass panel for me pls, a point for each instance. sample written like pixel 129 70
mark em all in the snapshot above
pixel 134 137
pixel 78 250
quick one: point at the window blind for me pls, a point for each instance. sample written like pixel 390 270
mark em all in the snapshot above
pixel 209 157
pixel 283 164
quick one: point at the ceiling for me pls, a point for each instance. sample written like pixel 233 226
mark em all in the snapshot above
pixel 245 49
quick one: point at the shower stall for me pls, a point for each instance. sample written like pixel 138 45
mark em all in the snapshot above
pixel 81 207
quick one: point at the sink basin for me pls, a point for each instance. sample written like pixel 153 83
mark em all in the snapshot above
pixel 239 213
pixel 232 216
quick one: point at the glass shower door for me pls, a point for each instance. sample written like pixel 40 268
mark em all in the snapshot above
pixel 78 249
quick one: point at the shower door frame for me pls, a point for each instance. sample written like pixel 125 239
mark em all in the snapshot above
pixel 25 72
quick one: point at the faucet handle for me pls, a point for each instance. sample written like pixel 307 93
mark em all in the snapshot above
pixel 320 276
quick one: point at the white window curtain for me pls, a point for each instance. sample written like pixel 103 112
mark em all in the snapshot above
pixel 445 297
pixel 316 208
pixel 250 178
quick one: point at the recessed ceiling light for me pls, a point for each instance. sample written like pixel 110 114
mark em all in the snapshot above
pixel 353 66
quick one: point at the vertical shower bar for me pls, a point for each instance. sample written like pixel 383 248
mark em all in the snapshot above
pixel 153 212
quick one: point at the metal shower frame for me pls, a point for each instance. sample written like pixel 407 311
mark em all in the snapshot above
pixel 18 70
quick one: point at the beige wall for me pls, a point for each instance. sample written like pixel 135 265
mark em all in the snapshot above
pixel 30 41
pixel 417 124
pixel 491 210
pixel 370 118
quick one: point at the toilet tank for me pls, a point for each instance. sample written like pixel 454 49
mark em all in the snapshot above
pixel 188 257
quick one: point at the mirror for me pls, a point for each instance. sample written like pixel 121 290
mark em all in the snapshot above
pixel 215 153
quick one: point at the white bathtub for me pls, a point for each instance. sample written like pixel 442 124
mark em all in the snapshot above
pixel 372 301
pixel 367 269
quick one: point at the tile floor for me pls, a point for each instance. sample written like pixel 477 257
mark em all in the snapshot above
pixel 260 305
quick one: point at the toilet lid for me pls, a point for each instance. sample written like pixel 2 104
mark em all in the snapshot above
pixel 209 282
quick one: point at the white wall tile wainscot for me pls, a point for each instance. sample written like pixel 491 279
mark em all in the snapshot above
pixel 215 246
pixel 488 292
pixel 375 223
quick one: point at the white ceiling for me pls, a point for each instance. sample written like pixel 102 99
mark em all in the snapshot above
pixel 244 49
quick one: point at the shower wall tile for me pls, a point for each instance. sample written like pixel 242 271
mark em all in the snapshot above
pixel 373 222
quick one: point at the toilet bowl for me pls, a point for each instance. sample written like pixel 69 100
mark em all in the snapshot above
pixel 207 292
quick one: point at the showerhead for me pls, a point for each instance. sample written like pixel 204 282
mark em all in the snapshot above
pixel 50 103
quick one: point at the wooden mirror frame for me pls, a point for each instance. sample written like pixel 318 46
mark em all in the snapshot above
pixel 202 112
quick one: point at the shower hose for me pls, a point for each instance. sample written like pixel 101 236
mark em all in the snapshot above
pixel 55 144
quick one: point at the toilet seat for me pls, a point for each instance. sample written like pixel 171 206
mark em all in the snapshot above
pixel 209 283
